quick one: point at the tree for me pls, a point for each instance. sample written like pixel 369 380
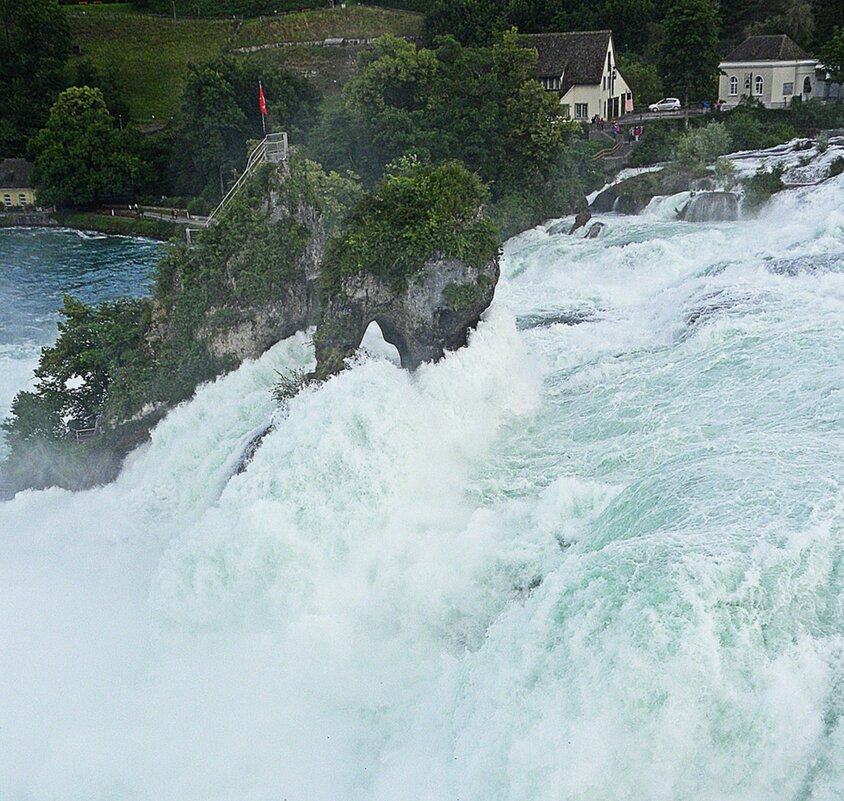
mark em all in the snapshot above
pixel 219 113
pixel 479 105
pixel 73 375
pixel 832 55
pixel 791 17
pixel 701 146
pixel 81 155
pixel 643 78
pixel 34 46
pixel 690 51
pixel 471 22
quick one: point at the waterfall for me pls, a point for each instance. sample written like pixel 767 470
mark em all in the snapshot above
pixel 594 557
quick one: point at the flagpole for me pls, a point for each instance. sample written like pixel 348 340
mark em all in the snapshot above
pixel 263 107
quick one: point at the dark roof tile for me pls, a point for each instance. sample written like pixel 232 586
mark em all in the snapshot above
pixel 580 54
pixel 15 174
pixel 767 48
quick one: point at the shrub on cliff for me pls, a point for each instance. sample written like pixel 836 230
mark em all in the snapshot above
pixel 761 186
pixel 416 211
pixel 703 145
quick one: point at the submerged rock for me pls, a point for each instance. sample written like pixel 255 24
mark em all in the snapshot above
pixel 711 207
pixel 595 230
pixel 433 314
pixel 559 227
pixel 567 317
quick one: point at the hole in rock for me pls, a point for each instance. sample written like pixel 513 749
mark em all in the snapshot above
pixel 375 345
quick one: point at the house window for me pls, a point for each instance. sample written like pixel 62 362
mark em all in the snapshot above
pixel 733 86
pixel 566 111
pixel 807 85
pixel 7 199
pixel 759 85
pixel 788 89
pixel 22 199
pixel 581 111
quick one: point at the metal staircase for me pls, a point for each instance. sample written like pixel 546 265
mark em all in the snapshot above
pixel 272 149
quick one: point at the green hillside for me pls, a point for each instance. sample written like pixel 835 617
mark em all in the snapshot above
pixel 149 54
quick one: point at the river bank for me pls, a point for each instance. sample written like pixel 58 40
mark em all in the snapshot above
pixel 162 230
pixel 123 226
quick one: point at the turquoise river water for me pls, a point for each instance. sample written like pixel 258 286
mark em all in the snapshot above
pixel 38 266
pixel 594 556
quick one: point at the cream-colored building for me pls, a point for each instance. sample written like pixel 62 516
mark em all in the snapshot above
pixel 15 184
pixel 580 68
pixel 769 69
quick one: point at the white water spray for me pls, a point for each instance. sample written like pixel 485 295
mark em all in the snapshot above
pixel 571 561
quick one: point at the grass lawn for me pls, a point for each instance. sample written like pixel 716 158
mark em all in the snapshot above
pixel 148 53
pixel 353 22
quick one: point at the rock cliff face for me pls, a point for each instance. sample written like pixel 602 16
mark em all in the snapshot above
pixel 632 195
pixel 434 313
pixel 711 207
pixel 261 325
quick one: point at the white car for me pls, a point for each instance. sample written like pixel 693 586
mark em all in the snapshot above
pixel 666 104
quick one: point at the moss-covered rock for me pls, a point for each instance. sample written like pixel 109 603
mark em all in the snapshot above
pixel 632 195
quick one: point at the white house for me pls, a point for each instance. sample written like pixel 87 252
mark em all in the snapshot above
pixel 769 69
pixel 580 68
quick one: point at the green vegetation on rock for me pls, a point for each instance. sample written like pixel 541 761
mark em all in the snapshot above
pixel 417 211
pixel 73 375
pixel 763 185
pixel 481 106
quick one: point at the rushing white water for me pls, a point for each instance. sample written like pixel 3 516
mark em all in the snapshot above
pixel 581 561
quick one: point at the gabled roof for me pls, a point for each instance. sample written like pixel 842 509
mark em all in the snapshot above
pixel 15 174
pixel 767 48
pixel 579 54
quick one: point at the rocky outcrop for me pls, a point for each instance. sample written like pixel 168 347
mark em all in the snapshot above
pixel 710 207
pixel 595 230
pixel 632 195
pixel 433 314
pixel 248 331
pixel 580 220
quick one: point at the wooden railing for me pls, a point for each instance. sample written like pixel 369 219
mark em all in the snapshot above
pixel 608 151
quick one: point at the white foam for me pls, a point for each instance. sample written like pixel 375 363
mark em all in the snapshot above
pixel 581 561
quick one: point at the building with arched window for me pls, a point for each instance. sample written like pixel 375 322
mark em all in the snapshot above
pixel 769 69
